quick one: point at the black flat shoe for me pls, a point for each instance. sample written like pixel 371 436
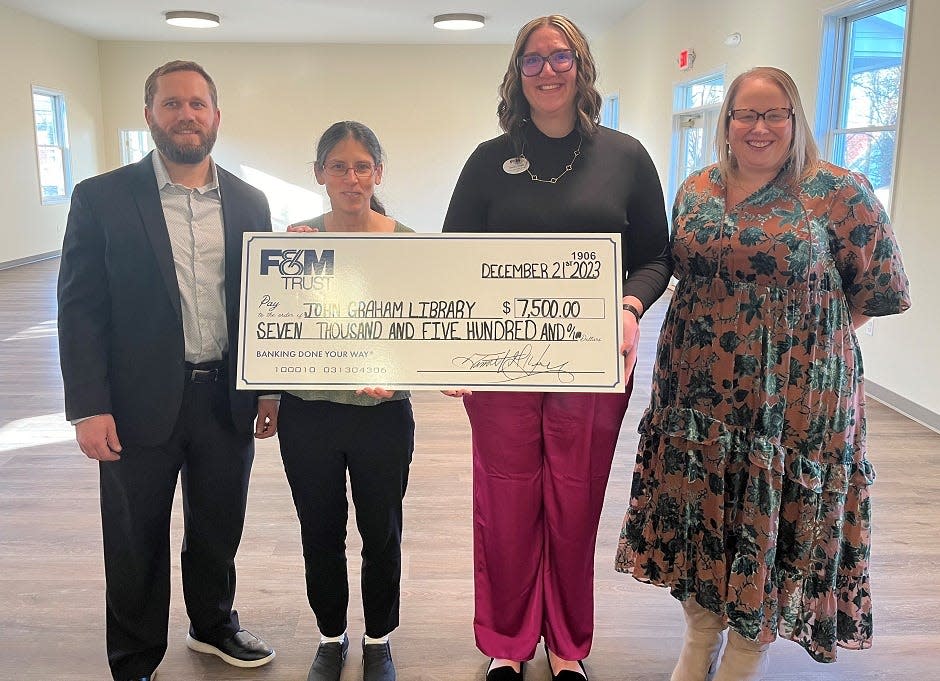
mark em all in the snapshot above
pixel 565 674
pixel 504 673
pixel 328 662
pixel 377 662
pixel 568 675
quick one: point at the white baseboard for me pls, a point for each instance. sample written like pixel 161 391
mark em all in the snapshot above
pixel 904 406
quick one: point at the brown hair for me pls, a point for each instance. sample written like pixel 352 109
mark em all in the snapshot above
pixel 150 86
pixel 804 155
pixel 513 108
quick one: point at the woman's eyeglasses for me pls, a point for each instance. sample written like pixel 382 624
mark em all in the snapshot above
pixel 772 117
pixel 340 168
pixel 560 60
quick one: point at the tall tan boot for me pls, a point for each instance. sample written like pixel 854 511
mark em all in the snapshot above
pixel 702 644
pixel 743 660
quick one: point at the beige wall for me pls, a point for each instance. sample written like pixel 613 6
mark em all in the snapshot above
pixel 905 348
pixel 637 58
pixel 35 52
pixel 429 106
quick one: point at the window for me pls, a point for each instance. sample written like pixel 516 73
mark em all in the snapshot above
pixel 610 111
pixel 861 72
pixel 52 149
pixel 135 144
pixel 694 122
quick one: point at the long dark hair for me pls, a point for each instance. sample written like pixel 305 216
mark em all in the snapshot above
pixel 336 133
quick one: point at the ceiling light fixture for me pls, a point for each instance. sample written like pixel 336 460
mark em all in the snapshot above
pixel 458 22
pixel 188 19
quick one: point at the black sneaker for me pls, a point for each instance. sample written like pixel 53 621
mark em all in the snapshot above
pixel 377 662
pixel 328 662
pixel 241 649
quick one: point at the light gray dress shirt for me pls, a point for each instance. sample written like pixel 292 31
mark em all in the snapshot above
pixel 194 223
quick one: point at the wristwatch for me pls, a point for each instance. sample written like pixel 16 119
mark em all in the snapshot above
pixel 631 308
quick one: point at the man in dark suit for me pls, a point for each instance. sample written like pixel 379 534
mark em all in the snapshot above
pixel 148 322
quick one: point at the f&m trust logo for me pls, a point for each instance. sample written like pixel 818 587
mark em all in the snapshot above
pixel 295 262
pixel 300 268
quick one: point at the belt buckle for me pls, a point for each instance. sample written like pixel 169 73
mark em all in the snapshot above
pixel 204 375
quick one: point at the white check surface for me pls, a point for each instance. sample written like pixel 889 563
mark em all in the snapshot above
pixel 431 311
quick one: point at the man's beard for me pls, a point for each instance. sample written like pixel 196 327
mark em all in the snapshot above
pixel 189 154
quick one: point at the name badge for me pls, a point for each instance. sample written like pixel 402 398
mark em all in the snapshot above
pixel 516 165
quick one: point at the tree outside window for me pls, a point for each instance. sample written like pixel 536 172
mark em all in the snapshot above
pixel 696 105
pixel 860 121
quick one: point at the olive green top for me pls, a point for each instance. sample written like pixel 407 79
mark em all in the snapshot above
pixel 347 396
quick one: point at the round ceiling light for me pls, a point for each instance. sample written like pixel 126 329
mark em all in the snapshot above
pixel 187 19
pixel 458 22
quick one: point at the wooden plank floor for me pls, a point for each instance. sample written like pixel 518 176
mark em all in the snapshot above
pixel 51 575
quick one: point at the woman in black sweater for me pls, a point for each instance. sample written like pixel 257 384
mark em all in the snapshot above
pixel 541 460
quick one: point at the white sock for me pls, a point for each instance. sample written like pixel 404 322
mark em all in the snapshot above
pixel 332 639
pixel 367 640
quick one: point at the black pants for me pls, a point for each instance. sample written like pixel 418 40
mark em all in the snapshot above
pixel 213 461
pixel 320 441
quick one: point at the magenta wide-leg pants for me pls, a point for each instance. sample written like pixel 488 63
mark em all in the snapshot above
pixel 540 468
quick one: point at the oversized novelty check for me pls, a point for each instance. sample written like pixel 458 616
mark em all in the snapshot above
pixel 419 311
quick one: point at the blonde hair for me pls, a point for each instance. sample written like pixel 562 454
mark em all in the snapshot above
pixel 513 108
pixel 804 155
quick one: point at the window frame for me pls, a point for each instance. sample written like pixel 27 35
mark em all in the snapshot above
pixel 610 111
pixel 833 67
pixel 60 121
pixel 709 113
pixel 126 150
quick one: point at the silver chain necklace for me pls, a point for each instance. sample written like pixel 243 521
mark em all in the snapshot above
pixel 553 180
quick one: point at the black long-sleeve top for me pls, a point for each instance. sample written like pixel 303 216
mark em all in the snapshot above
pixel 611 187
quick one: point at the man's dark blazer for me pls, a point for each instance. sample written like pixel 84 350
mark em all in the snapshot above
pixel 120 326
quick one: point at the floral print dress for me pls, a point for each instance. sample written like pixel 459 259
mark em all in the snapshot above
pixel 751 487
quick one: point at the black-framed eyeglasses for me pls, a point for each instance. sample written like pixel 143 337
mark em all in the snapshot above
pixel 560 61
pixel 772 117
pixel 361 169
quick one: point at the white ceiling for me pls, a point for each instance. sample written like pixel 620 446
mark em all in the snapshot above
pixel 316 21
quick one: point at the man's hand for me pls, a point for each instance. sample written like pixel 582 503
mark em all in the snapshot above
pixel 266 423
pixel 457 392
pixel 97 438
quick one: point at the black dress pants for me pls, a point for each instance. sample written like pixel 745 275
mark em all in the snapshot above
pixel 213 462
pixel 320 441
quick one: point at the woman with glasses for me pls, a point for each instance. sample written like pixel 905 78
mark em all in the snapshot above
pixel 750 497
pixel 368 433
pixel 541 460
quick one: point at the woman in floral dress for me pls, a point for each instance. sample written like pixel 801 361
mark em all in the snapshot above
pixel 750 496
